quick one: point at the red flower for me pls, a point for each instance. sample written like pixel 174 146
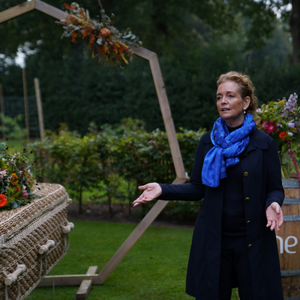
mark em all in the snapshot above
pixel 269 127
pixel 282 135
pixel 3 200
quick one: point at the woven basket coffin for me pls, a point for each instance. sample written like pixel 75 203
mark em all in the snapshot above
pixel 33 238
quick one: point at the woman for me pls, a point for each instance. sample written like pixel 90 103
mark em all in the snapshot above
pixel 237 171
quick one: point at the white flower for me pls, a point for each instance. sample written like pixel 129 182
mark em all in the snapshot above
pixel 290 133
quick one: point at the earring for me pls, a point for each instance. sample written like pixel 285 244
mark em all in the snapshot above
pixel 245 112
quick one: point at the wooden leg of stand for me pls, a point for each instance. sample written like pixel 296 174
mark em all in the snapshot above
pixel 86 285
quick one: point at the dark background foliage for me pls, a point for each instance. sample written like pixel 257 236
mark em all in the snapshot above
pixel 196 41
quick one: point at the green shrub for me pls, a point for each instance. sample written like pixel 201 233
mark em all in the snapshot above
pixel 12 128
pixel 115 160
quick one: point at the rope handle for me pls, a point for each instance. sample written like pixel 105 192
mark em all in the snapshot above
pixel 45 248
pixel 66 229
pixel 12 277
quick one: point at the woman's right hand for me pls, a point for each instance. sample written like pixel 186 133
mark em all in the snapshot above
pixel 151 191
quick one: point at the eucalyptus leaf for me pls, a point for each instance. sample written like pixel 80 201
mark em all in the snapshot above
pixel 100 41
pixel 15 204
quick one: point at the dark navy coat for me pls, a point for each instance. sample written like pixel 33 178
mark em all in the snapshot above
pixel 262 186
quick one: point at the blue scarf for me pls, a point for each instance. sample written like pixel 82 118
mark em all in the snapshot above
pixel 227 148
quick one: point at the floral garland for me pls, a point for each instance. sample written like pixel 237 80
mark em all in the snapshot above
pixel 16 179
pixel 281 120
pixel 104 39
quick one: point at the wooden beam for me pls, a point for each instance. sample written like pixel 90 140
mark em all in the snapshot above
pixel 134 236
pixel 16 11
pixel 86 285
pixel 143 52
pixel 49 10
pixel 69 279
pixel 167 117
pixel 39 107
pixel 26 103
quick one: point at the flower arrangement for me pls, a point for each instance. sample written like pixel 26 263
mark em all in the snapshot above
pixel 281 120
pixel 16 179
pixel 104 39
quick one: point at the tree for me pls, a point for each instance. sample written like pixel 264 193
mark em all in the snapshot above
pixel 262 14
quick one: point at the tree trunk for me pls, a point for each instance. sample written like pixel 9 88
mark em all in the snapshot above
pixel 80 210
pixel 295 30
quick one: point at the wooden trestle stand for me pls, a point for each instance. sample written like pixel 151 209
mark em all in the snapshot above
pixel 86 280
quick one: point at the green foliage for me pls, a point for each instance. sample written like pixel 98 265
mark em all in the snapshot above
pixel 68 159
pixel 196 42
pixel 111 157
pixel 12 128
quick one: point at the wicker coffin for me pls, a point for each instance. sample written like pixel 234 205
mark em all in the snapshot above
pixel 33 238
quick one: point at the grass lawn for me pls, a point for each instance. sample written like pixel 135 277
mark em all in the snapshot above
pixel 155 268
pixel 15 145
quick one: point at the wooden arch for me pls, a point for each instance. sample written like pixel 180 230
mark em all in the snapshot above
pixel 173 142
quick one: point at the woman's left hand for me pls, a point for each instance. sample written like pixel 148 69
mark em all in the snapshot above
pixel 274 216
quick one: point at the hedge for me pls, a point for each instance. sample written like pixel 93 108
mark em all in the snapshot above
pixel 113 157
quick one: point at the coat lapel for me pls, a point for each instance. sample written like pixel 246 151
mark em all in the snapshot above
pixel 256 141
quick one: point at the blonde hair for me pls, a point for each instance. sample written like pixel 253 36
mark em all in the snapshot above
pixel 246 87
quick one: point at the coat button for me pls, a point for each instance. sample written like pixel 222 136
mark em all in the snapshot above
pixel 246 174
pixel 250 245
pixel 248 221
pixel 247 198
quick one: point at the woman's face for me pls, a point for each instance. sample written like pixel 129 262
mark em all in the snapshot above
pixel 230 104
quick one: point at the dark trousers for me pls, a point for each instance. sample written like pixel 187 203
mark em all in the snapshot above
pixel 234 269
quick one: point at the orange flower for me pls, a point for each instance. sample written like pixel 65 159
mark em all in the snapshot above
pixel 74 36
pixel 281 101
pixel 14 179
pixel 105 32
pixel 17 189
pixel 3 200
pixel 282 135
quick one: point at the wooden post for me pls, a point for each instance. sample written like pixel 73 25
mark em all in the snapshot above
pixel 167 117
pixel 17 11
pixel 25 103
pixel 86 285
pixel 39 107
pixel 2 110
pixel 61 280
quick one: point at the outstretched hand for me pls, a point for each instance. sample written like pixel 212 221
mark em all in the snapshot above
pixel 151 191
pixel 274 216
